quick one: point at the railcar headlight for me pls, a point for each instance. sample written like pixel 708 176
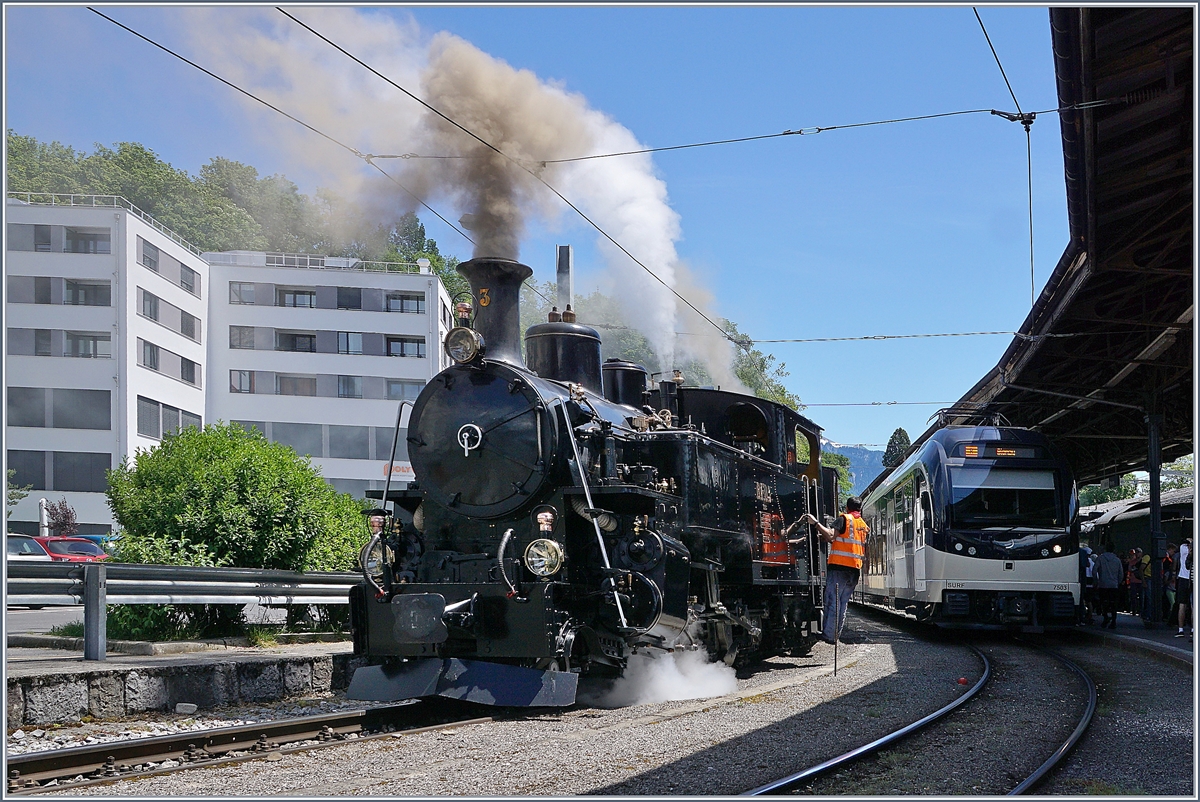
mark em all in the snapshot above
pixel 1057 548
pixel 463 344
pixel 544 557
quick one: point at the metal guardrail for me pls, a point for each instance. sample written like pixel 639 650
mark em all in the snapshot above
pixel 111 201
pixel 95 585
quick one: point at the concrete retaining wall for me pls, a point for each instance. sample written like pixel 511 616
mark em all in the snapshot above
pixel 109 693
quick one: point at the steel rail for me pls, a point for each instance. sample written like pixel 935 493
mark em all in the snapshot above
pixel 795 781
pixel 1063 750
pixel 118 760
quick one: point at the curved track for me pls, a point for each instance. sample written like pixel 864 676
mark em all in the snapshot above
pixel 795 782
pixel 29 773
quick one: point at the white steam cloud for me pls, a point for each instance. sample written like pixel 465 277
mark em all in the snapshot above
pixel 666 678
pixel 528 119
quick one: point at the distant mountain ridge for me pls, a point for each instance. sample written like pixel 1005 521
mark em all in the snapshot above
pixel 865 464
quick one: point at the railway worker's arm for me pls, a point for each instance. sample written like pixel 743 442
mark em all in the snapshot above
pixel 826 532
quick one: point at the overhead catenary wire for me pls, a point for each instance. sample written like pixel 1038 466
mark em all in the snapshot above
pixel 810 130
pixel 517 162
pixel 350 148
pixel 1027 121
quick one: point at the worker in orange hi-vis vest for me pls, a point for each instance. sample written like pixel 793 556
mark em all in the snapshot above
pixel 848 544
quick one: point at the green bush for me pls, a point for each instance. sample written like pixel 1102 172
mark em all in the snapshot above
pixel 224 496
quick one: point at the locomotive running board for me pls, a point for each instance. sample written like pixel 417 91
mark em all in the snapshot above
pixel 469 680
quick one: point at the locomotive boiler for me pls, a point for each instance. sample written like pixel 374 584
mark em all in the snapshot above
pixel 566 515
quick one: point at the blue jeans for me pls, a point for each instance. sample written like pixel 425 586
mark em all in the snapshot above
pixel 839 584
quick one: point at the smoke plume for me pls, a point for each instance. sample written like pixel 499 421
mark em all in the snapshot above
pixel 529 120
pixel 666 678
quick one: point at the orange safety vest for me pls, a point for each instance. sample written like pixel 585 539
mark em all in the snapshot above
pixel 849 548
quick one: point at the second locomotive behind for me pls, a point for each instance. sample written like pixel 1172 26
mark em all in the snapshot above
pixel 565 515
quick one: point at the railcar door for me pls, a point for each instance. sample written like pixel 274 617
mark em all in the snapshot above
pixel 923 512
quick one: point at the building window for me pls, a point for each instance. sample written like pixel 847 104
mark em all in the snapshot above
pixel 403 302
pixel 95 240
pixel 187 370
pixel 286 297
pixel 189 279
pixel 241 337
pixel 89 345
pixel 400 390
pixel 349 386
pixel 349 297
pixel 189 326
pixel 170 420
pixel 149 255
pixel 349 342
pixel 27 406
pixel 81 293
pixel 158 420
pixel 148 417
pixel 295 385
pixel 305 438
pixel 295 341
pixel 41 342
pixel 406 346
pixel 149 305
pixel 349 442
pixel 241 292
pixel 41 238
pixel 241 381
pixel 81 409
pixel 149 355
pixel 41 290
pixel 81 471
pixel 30 467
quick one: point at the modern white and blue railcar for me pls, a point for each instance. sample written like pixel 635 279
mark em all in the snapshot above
pixel 976 529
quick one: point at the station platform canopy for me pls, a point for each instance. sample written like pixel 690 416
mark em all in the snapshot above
pixel 1110 338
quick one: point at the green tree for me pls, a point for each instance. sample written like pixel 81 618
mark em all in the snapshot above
pixel 898 445
pixel 226 496
pixel 1096 494
pixel 14 492
pixel 1184 465
pixel 759 371
pixel 841 463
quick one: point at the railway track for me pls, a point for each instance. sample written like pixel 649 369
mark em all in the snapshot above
pixel 34 772
pixel 796 782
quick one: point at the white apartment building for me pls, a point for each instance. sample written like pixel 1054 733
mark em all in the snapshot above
pixel 119 331
pixel 317 352
pixel 105 346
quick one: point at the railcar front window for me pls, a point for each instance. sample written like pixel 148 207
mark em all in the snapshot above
pixel 996 499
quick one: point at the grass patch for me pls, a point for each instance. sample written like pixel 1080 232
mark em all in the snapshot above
pixel 261 637
pixel 71 630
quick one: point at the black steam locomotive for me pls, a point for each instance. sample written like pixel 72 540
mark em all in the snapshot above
pixel 565 516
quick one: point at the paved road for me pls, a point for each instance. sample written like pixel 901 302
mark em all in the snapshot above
pixel 21 619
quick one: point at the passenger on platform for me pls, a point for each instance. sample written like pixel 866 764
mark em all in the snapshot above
pixel 1146 570
pixel 1133 580
pixel 1086 583
pixel 848 541
pixel 1168 573
pixel 1183 588
pixel 1108 581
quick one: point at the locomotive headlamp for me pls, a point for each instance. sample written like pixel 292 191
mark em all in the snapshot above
pixel 544 557
pixel 463 344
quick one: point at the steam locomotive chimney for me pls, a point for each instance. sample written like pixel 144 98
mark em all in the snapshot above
pixel 496 285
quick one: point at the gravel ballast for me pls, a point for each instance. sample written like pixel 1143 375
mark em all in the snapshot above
pixel 786 714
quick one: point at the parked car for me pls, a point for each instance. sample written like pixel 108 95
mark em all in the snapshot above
pixel 26 549
pixel 72 549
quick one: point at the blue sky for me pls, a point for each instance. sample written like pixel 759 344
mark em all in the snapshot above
pixel 895 229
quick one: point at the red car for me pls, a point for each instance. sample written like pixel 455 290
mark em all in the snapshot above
pixel 72 549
